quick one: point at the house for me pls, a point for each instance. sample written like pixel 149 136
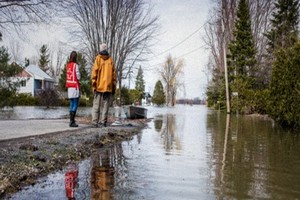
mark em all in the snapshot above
pixel 34 80
pixel 147 98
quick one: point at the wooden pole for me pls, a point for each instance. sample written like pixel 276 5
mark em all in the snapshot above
pixel 225 66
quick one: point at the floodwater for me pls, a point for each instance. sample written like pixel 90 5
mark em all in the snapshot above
pixel 188 152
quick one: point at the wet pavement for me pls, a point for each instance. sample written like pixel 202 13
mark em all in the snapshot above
pixel 24 121
pixel 12 129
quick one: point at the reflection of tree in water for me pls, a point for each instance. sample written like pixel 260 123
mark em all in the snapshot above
pixel 103 171
pixel 232 156
pixel 168 133
pixel 243 150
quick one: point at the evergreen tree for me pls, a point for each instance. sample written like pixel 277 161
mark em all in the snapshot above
pixel 242 61
pixel 216 90
pixel 85 80
pixel 126 96
pixel 242 58
pixel 285 51
pixel 140 83
pixel 284 31
pixel 285 87
pixel 44 58
pixel 158 96
pixel 8 86
pixel 62 79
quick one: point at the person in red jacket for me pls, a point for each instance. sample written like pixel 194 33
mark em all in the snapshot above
pixel 73 85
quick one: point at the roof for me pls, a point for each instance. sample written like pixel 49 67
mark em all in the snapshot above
pixel 37 73
pixel 24 74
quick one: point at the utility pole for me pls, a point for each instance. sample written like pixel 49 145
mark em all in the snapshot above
pixel 225 61
pixel 129 78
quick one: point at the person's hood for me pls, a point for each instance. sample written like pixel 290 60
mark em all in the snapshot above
pixel 104 55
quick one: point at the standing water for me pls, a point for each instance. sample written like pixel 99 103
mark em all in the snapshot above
pixel 188 152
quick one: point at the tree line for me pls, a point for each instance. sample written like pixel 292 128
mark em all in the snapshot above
pixel 127 26
pixel 261 40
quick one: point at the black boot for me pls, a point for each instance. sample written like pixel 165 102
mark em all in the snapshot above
pixel 72 119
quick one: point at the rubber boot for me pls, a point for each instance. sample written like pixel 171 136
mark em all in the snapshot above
pixel 72 119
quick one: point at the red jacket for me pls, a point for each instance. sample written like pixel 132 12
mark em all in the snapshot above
pixel 71 79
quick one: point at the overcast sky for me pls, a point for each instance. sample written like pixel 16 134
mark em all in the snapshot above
pixel 181 35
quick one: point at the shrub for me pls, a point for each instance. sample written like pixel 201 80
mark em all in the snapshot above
pixel 48 98
pixel 26 100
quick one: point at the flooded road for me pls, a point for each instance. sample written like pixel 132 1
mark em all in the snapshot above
pixel 188 152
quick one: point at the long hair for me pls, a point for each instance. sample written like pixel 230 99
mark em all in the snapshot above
pixel 73 57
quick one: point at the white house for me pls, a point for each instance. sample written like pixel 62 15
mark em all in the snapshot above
pixel 34 80
pixel 147 98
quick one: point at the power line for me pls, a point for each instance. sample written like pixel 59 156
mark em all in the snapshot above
pixel 182 41
pixel 192 51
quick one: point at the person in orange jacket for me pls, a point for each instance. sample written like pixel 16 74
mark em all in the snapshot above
pixel 104 80
pixel 73 85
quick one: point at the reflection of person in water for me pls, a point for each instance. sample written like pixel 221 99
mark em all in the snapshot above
pixel 102 176
pixel 158 124
pixel 71 181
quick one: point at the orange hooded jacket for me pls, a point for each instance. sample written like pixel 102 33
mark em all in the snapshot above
pixel 104 78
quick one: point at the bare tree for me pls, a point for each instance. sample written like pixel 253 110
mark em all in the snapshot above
pixel 260 11
pixel 170 73
pixel 224 12
pixel 16 13
pixel 60 59
pixel 15 50
pixel 125 25
pixel 57 59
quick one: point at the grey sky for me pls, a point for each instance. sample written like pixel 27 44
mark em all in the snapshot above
pixel 181 33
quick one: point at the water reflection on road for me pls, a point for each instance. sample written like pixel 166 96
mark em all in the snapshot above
pixel 251 158
pixel 189 152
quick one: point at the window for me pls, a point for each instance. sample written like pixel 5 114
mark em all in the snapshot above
pixel 23 83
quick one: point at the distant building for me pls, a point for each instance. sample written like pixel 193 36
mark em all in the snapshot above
pixel 34 80
pixel 147 98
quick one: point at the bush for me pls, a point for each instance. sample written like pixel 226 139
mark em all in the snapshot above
pixel 45 99
pixel 7 97
pixel 26 100
pixel 126 98
pixel 48 98
pixel 85 102
pixel 261 101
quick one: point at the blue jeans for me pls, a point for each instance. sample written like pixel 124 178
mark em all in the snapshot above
pixel 74 104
